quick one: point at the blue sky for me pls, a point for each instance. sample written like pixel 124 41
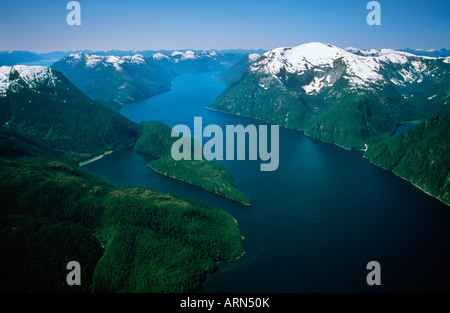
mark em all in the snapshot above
pixel 211 24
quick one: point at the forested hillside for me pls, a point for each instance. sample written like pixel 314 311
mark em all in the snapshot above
pixel 125 239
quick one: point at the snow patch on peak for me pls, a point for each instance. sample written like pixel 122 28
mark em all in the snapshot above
pixel 300 58
pixel 135 59
pixel 315 86
pixel 252 57
pixel 75 56
pixel 115 61
pixel 371 52
pixel 92 60
pixel 394 56
pixel 175 53
pixel 159 56
pixel 31 75
pixel 353 49
pixel 5 71
pixel 312 55
pixel 362 68
pixel 189 55
pixel 111 59
pixel 178 56
pixel 32 72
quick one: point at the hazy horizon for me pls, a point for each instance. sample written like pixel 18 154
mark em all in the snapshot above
pixel 211 49
pixel 212 25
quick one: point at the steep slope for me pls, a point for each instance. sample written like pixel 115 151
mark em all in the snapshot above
pixel 347 98
pixel 43 104
pixel 420 154
pixel 125 79
pixel 238 68
pixel 429 52
pixel 156 141
pixel 126 239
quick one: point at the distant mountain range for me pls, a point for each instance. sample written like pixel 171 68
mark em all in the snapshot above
pixel 355 99
pixel 190 61
pixel 41 103
pixel 18 57
pixel 347 98
pixel 193 61
pixel 125 79
pixel 350 97
pixel 420 52
pixel 146 53
pixel 14 57
pixel 115 80
pixel 53 212
pixel 429 52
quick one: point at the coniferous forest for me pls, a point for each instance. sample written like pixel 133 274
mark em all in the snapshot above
pixel 126 239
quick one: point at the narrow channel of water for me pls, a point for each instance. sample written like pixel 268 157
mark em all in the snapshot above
pixel 316 222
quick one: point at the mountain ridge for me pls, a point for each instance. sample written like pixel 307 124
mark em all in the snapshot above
pixel 420 155
pixel 338 96
pixel 40 102
pixel 125 79
pixel 127 239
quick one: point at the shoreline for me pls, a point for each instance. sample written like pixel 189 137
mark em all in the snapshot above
pixel 409 181
pixel 362 150
pixel 96 158
pixel 185 181
pixel 210 276
pixel 288 128
pixel 233 260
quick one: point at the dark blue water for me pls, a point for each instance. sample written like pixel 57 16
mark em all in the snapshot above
pixel 316 222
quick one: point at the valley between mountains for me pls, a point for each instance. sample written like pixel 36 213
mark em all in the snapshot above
pixel 138 240
pixel 355 99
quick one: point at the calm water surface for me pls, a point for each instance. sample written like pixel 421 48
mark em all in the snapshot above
pixel 316 222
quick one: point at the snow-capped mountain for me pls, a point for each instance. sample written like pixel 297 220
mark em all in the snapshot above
pixel 177 56
pixel 189 61
pixel 362 69
pixel 123 78
pixel 108 60
pixel 43 104
pixel 21 76
pixel 347 96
